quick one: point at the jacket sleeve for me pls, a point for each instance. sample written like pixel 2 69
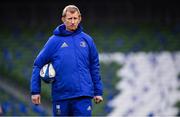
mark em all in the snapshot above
pixel 43 58
pixel 95 70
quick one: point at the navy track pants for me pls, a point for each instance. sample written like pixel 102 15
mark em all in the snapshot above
pixel 81 106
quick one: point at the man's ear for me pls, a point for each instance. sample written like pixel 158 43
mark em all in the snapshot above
pixel 80 18
pixel 63 20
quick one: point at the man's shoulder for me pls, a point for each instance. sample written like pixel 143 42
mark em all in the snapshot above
pixel 53 39
pixel 87 36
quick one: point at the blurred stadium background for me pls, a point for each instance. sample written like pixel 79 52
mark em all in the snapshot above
pixel 139 45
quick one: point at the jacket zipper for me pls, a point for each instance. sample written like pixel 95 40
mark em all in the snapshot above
pixel 74 48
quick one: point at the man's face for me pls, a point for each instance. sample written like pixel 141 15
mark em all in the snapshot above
pixel 71 20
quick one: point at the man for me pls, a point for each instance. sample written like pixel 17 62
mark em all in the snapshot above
pixel 75 59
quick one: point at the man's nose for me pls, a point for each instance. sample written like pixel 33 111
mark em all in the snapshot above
pixel 72 21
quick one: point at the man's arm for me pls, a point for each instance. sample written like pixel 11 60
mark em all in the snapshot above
pixel 43 58
pixel 95 74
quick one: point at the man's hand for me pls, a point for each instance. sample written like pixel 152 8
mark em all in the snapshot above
pixel 36 99
pixel 98 99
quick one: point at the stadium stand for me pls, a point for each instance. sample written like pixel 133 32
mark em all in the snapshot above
pixel 12 106
pixel 149 85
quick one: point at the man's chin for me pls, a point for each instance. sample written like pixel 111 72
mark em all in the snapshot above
pixel 73 29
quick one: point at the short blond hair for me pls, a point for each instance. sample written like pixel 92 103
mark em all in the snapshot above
pixel 72 9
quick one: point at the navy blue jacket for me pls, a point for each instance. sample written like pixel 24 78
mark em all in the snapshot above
pixel 75 60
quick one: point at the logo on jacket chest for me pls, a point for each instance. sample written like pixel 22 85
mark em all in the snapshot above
pixel 83 44
pixel 64 45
